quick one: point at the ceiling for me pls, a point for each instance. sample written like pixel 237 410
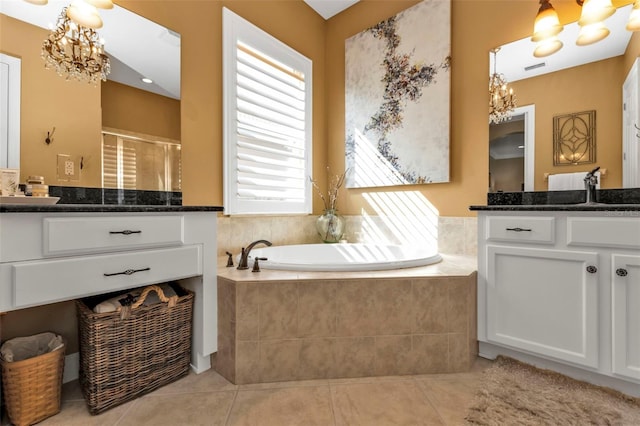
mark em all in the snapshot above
pixel 329 8
pixel 155 54
pixel 132 61
pixel 513 58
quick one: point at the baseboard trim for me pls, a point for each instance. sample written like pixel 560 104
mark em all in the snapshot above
pixel 71 367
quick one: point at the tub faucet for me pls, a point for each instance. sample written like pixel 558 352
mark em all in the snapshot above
pixel 590 182
pixel 243 263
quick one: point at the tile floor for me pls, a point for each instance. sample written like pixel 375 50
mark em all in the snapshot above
pixel 209 399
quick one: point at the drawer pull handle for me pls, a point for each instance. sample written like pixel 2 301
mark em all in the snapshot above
pixel 621 272
pixel 518 229
pixel 125 232
pixel 592 269
pixel 127 272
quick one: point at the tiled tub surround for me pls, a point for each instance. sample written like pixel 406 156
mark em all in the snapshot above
pixel 280 325
pixel 454 235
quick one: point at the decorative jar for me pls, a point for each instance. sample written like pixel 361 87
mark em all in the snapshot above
pixel 330 226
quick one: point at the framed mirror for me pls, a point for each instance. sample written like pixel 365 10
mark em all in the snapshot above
pixel 77 113
pixel 574 79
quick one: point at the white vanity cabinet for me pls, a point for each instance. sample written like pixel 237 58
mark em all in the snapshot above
pixel 562 286
pixel 52 256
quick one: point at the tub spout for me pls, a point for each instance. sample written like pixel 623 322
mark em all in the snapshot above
pixel 244 256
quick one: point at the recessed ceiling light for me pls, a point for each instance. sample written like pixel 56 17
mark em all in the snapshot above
pixel 146 80
pixel 521 146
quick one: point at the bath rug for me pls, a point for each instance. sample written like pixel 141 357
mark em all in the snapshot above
pixel 515 393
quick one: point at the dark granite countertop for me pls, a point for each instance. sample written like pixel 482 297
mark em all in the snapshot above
pixel 560 207
pixel 102 208
pixel 607 200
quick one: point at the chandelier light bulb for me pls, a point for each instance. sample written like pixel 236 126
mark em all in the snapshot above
pixel 84 14
pixel 38 2
pixel 592 33
pixel 594 11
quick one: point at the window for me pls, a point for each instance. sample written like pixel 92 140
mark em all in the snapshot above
pixel 267 122
pixel 130 162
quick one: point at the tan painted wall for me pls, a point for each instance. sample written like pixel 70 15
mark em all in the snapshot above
pixel 548 92
pixel 43 92
pixel 477 26
pixel 127 108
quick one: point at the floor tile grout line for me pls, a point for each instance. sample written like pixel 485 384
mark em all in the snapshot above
pixel 429 401
pixel 230 410
pixel 134 402
pixel 333 407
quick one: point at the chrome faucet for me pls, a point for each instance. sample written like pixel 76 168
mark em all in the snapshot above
pixel 590 182
pixel 244 256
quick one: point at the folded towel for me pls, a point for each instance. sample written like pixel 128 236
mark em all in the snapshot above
pixel 116 303
pixel 569 181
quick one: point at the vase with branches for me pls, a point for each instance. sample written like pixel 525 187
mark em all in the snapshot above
pixel 330 225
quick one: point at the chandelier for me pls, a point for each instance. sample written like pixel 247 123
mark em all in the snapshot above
pixel 75 51
pixel 502 101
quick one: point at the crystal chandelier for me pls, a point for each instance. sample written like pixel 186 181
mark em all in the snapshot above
pixel 75 51
pixel 502 101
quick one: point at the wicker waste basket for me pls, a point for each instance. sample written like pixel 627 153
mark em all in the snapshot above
pixel 129 353
pixel 32 369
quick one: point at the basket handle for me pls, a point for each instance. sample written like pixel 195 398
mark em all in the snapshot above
pixel 170 300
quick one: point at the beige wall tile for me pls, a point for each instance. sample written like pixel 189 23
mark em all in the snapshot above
pixel 394 306
pixel 279 360
pixel 459 359
pixel 316 358
pixel 455 235
pixel 458 304
pixel 278 310
pixel 394 356
pixel 316 308
pixel 451 237
pixel 354 357
pixel 430 296
pixel 226 356
pixel 248 309
pixel 226 301
pixel 356 313
pixel 431 352
pixel 247 362
pixel 471 236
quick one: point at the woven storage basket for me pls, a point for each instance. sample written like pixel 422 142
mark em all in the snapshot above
pixel 130 353
pixel 32 387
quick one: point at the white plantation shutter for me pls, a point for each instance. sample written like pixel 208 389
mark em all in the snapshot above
pixel 267 122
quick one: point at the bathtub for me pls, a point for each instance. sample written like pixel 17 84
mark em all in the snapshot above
pixel 343 257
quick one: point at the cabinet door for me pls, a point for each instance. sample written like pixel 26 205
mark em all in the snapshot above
pixel 544 302
pixel 626 315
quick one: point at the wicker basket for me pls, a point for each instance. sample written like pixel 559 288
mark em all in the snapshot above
pixel 130 353
pixel 32 387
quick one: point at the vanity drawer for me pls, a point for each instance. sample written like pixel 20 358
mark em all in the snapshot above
pixel 539 230
pixel 45 281
pixel 623 232
pixel 94 234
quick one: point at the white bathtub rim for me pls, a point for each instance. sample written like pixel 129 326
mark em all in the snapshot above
pixel 422 257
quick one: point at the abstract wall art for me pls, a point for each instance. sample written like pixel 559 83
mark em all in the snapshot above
pixel 397 87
